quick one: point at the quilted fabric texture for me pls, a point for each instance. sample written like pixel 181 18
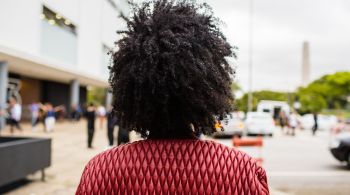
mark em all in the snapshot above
pixel 173 167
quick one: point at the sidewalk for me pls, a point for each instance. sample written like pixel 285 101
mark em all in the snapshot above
pixel 69 156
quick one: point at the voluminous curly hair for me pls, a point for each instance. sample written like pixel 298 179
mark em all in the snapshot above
pixel 169 76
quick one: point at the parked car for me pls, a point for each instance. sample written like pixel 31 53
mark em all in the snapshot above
pixel 232 125
pixel 259 123
pixel 273 107
pixel 325 122
pixel 340 142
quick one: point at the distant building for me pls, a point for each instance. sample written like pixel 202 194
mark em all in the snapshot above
pixel 306 66
pixel 51 51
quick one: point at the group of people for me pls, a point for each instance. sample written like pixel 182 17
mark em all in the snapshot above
pixel 92 113
pixel 291 122
pixel 39 113
pixel 45 114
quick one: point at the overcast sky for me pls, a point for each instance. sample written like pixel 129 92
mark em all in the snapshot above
pixel 280 27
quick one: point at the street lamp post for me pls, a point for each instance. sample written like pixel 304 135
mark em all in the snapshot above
pixel 250 65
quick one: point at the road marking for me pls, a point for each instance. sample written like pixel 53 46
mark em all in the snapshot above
pixel 308 174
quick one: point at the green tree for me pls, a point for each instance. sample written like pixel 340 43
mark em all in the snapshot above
pixel 311 101
pixel 235 87
pixel 330 91
pixel 96 95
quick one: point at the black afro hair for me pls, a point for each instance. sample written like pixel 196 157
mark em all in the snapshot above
pixel 169 76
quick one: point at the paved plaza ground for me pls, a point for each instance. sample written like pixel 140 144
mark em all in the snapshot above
pixel 295 165
pixel 69 156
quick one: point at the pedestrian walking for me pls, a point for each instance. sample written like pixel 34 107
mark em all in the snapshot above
pixel 79 113
pixel 315 127
pixel 15 115
pixel 42 115
pixel 75 113
pixel 50 116
pixel 283 120
pixel 34 114
pixel 101 115
pixel 90 115
pixel 293 123
pixel 111 123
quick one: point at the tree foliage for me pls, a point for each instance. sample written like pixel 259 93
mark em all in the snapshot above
pixel 96 95
pixel 330 91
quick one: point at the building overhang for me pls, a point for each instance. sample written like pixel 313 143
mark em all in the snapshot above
pixel 40 68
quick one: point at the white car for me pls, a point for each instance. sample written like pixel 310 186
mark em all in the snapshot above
pixel 232 125
pixel 259 123
pixel 325 122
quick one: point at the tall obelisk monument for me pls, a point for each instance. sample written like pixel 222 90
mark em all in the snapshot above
pixel 306 64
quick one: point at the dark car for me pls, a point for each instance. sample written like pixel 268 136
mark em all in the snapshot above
pixel 340 143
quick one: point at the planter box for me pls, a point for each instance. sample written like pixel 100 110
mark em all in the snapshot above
pixel 20 156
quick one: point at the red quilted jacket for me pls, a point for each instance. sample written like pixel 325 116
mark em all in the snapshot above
pixel 173 167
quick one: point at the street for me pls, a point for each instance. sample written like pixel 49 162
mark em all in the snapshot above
pixel 302 164
pixel 295 165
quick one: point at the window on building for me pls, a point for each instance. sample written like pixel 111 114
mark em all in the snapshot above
pixel 58 37
pixel 56 19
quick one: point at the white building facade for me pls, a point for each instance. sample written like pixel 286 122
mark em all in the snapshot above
pixel 52 50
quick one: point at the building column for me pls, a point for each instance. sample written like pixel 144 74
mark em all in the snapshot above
pixel 109 99
pixel 3 92
pixel 74 92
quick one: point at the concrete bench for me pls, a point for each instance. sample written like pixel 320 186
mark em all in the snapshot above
pixel 21 156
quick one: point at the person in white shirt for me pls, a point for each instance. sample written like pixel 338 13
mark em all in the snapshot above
pixel 101 114
pixel 15 115
pixel 293 123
